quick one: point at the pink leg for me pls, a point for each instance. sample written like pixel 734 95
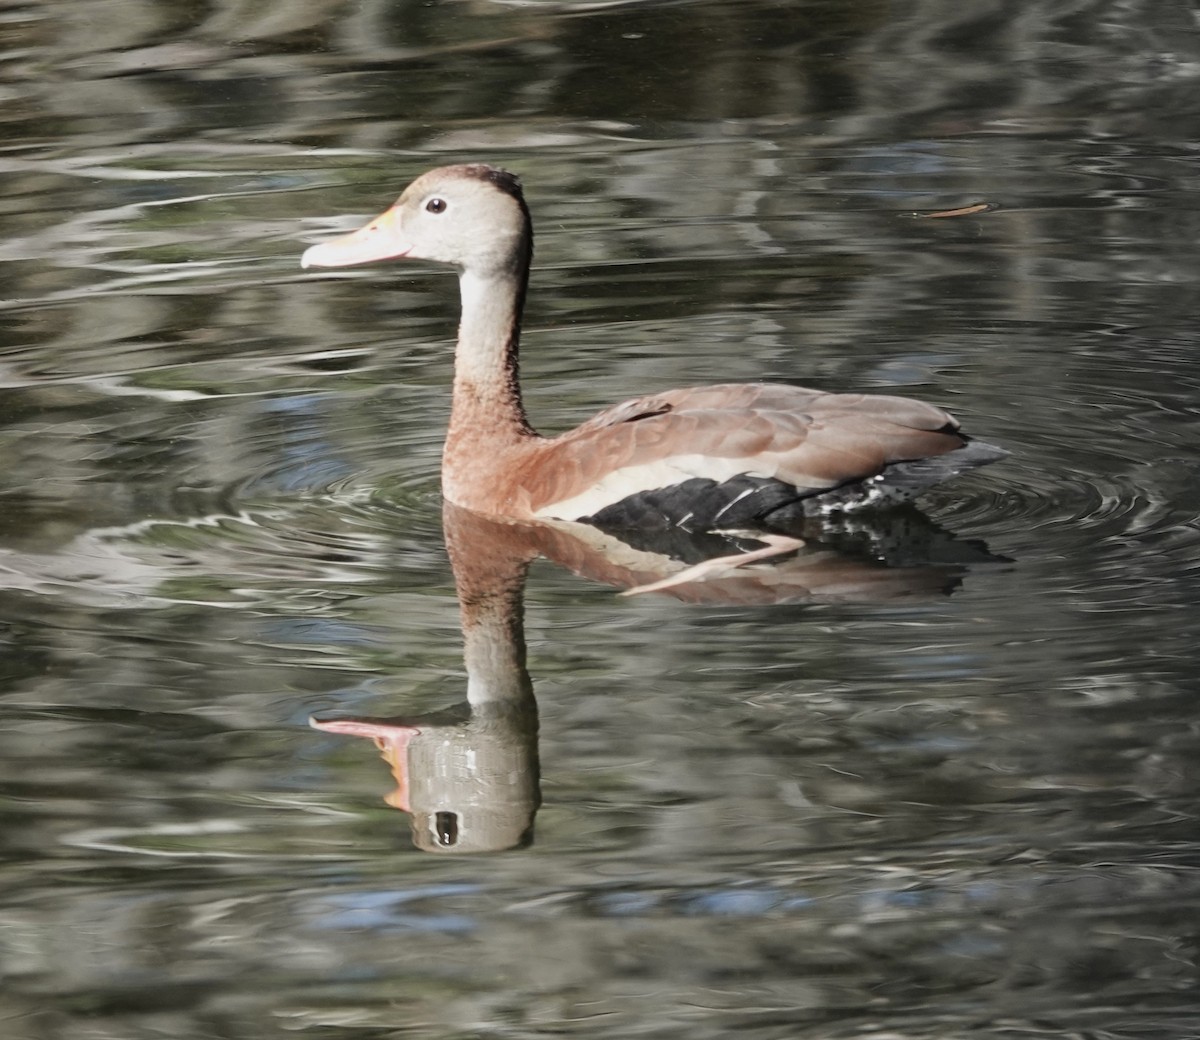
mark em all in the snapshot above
pixel 777 545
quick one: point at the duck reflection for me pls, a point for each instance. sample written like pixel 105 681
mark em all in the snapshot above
pixel 469 777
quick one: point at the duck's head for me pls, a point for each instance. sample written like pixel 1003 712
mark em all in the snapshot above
pixel 473 216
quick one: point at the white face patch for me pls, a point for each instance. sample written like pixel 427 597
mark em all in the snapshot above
pixel 474 290
pixel 620 484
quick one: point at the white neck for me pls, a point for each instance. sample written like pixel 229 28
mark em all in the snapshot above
pixel 488 312
pixel 494 655
pixel 486 392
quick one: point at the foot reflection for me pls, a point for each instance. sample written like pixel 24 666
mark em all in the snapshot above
pixel 469 778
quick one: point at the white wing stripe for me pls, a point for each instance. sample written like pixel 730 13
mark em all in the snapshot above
pixel 620 484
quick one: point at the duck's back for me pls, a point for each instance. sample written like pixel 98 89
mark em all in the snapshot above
pixel 731 455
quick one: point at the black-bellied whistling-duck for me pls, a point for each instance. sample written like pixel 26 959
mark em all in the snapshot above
pixel 751 456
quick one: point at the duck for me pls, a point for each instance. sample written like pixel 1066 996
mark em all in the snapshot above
pixel 757 457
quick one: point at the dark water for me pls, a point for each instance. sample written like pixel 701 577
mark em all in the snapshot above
pixel 926 816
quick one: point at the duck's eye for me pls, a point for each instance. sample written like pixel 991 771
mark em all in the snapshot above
pixel 436 206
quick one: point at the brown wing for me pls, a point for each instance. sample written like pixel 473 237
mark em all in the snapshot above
pixel 806 438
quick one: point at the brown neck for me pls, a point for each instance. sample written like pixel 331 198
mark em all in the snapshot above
pixel 487 418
